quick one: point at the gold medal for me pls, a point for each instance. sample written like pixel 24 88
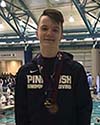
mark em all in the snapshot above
pixel 51 106
pixel 53 109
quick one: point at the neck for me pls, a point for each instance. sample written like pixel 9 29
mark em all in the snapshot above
pixel 51 52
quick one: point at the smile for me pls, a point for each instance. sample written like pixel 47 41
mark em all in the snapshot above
pixel 49 39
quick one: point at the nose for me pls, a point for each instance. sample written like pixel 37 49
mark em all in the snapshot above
pixel 49 32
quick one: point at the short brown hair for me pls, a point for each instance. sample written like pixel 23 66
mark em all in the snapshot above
pixel 54 14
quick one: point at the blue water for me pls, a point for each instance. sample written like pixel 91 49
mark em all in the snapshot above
pixel 95 111
pixel 7 118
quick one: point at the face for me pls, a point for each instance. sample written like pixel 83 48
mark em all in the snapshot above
pixel 49 32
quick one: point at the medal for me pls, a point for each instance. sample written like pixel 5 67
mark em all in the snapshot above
pixel 51 106
pixel 50 80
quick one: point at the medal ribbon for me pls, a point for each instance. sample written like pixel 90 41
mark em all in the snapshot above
pixel 51 82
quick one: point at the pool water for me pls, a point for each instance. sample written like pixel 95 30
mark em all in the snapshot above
pixel 7 118
pixel 95 112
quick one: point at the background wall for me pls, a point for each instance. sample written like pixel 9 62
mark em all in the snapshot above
pixel 10 61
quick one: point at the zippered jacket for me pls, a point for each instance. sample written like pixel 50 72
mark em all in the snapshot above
pixel 73 95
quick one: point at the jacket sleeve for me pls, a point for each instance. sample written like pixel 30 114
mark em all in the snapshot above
pixel 21 98
pixel 83 97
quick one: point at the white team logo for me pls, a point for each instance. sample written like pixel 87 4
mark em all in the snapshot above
pixel 33 71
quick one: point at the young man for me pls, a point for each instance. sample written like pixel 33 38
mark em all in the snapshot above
pixel 53 89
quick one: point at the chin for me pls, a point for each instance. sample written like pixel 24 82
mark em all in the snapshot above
pixel 47 44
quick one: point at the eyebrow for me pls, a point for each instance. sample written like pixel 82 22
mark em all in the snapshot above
pixel 44 25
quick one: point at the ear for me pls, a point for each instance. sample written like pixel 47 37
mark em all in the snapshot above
pixel 36 33
pixel 62 36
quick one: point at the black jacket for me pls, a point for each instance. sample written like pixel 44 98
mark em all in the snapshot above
pixel 73 96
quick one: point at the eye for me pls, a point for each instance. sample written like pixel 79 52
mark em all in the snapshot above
pixel 56 30
pixel 44 28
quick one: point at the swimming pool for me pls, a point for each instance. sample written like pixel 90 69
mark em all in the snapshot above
pixel 95 112
pixel 7 117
